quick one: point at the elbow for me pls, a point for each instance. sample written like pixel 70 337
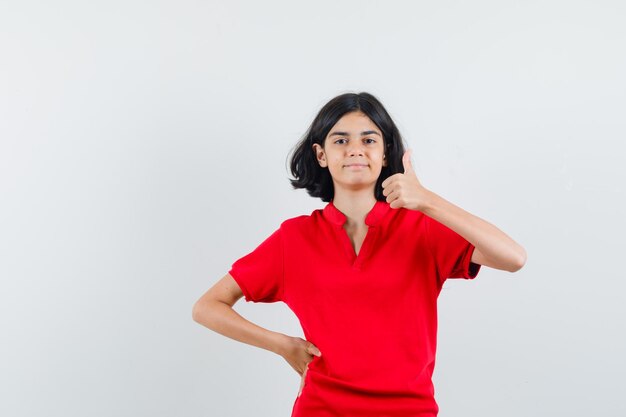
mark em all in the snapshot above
pixel 205 312
pixel 197 312
pixel 519 261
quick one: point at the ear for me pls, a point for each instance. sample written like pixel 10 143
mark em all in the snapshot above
pixel 384 160
pixel 320 155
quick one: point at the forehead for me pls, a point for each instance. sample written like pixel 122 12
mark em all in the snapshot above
pixel 354 122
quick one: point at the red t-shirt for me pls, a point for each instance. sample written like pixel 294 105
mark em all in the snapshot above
pixel 373 316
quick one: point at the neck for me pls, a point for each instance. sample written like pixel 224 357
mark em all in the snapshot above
pixel 355 205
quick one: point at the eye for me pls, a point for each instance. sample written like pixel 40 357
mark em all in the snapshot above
pixel 369 140
pixel 340 141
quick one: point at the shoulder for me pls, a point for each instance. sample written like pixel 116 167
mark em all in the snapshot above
pixel 301 222
pixel 295 222
pixel 403 217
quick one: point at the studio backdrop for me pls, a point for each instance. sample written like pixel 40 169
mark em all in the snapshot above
pixel 143 149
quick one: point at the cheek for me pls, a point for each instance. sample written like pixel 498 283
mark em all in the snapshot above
pixel 378 156
pixel 335 160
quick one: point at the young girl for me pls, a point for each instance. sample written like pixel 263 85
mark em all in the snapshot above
pixel 362 274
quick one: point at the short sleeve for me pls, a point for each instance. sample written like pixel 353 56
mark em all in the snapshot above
pixel 260 273
pixel 452 252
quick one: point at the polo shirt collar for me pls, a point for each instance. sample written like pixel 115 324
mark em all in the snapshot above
pixel 375 215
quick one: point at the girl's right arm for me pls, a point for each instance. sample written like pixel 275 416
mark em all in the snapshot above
pixel 214 310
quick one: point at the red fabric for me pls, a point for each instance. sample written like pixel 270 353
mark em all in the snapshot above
pixel 373 316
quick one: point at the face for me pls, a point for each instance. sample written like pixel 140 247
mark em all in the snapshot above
pixel 353 152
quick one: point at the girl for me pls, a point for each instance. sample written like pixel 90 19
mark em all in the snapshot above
pixel 362 274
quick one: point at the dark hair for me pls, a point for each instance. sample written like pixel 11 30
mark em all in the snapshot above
pixel 316 180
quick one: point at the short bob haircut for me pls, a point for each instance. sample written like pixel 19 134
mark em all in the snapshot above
pixel 316 180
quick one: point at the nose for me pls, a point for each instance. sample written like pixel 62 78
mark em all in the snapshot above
pixel 355 149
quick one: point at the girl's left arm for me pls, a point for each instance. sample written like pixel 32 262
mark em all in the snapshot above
pixel 493 248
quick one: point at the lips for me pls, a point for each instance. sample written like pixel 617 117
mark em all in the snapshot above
pixel 355 165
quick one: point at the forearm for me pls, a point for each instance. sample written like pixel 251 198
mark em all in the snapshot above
pixel 499 249
pixel 223 319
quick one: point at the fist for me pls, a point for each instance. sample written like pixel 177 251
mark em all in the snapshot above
pixel 405 190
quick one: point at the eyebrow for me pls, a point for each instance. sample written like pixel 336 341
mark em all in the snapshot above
pixel 365 132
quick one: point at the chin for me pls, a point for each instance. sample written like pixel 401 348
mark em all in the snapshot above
pixel 355 184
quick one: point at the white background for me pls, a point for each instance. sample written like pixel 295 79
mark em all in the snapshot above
pixel 143 147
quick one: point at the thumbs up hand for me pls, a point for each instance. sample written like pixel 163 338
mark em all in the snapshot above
pixel 405 190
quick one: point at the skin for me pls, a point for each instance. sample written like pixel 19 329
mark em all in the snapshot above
pixel 355 160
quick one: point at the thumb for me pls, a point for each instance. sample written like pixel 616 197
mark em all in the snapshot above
pixel 406 161
pixel 313 350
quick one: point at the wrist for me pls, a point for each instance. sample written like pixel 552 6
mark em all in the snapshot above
pixel 428 202
pixel 278 343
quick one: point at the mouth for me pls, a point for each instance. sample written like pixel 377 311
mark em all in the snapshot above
pixel 355 166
